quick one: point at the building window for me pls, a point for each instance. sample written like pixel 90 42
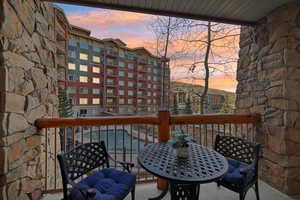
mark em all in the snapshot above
pixel 149 69
pixel 110 62
pixel 83 90
pixel 130 92
pixel 121 92
pixel 96 59
pixel 110 81
pixel 72 54
pixel 121 101
pixel 121 53
pixel 110 91
pixel 130 66
pixel 121 64
pixel 83 79
pixel 96 48
pixel 154 94
pixel 83 100
pixel 96 70
pixel 84 44
pixel 140 101
pixel 121 83
pixel 83 111
pixel 130 75
pixel 140 93
pixel 96 101
pixel 110 100
pixel 96 80
pixel 154 101
pixel 110 71
pixel 83 68
pixel 72 101
pixel 155 78
pixel 72 42
pixel 71 77
pixel 96 91
pixel 121 73
pixel 130 84
pixel 149 86
pixel 149 94
pixel 83 56
pixel 149 78
pixel 71 66
pixel 130 101
pixel 71 90
pixel 149 101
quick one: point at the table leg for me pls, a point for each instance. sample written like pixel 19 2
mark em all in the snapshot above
pixel 189 191
pixel 162 195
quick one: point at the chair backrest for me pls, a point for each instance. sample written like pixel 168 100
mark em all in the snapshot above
pixel 237 148
pixel 81 160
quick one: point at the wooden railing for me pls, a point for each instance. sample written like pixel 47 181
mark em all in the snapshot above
pixel 126 136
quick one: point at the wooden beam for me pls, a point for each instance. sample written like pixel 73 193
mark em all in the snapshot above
pixel 74 122
pixel 94 3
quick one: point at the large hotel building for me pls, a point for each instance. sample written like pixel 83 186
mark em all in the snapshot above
pixel 104 76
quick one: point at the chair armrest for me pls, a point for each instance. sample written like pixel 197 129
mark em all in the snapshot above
pixel 85 190
pixel 126 165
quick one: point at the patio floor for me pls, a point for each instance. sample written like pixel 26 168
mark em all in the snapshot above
pixel 207 191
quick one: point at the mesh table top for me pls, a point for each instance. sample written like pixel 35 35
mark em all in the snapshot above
pixel 203 164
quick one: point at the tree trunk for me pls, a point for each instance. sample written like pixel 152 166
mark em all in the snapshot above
pixel 206 66
pixel 163 96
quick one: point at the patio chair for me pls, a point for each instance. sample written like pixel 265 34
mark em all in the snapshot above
pixel 242 156
pixel 90 164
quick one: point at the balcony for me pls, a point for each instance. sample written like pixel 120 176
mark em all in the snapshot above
pixel 111 95
pixel 143 60
pixel 111 85
pixel 112 53
pixel 112 75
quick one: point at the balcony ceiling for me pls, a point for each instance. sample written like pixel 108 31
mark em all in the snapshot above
pixel 244 12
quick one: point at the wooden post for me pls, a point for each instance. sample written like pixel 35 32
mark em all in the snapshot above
pixel 163 136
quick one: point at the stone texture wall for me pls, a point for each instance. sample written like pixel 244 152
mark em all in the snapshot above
pixel 269 83
pixel 28 91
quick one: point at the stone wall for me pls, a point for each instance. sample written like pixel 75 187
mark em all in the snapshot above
pixel 269 83
pixel 28 91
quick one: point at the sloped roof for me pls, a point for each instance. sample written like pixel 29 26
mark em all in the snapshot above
pixel 227 11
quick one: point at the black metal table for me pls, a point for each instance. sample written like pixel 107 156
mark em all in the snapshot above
pixel 184 175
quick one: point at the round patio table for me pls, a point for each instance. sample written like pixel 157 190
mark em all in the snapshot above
pixel 184 176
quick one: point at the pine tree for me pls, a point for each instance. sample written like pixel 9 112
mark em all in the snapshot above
pixel 226 108
pixel 175 107
pixel 188 107
pixel 65 107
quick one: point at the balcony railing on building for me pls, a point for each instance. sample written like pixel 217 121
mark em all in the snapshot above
pixel 112 52
pixel 126 136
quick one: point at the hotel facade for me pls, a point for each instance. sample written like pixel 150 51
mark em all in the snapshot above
pixel 105 77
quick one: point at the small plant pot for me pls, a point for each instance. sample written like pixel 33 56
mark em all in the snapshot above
pixel 182 152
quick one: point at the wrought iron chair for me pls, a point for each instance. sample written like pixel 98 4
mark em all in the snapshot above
pixel 242 156
pixel 104 184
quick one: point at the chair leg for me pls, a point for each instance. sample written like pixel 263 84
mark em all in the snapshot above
pixel 256 190
pixel 133 193
pixel 242 196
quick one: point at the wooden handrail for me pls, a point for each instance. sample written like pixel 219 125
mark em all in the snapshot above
pixel 181 119
pixel 215 119
pixel 74 122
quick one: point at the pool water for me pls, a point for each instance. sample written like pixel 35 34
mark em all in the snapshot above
pixel 118 139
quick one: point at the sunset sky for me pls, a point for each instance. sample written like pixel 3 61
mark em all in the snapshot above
pixel 133 29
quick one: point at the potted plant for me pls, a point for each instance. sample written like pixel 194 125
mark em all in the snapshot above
pixel 180 143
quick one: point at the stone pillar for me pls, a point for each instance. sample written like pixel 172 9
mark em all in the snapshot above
pixel 28 91
pixel 268 77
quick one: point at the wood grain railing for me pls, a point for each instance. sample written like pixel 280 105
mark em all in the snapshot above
pixel 126 136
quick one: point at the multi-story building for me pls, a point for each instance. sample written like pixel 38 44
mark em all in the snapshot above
pixel 61 29
pixel 213 102
pixel 105 76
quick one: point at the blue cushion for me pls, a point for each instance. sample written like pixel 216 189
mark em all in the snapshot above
pixel 109 184
pixel 234 176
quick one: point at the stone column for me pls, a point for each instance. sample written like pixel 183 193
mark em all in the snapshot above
pixel 28 91
pixel 268 77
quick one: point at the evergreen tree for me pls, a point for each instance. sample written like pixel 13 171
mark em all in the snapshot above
pixel 188 106
pixel 65 107
pixel 175 107
pixel 226 108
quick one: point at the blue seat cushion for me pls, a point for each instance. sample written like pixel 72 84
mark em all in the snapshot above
pixel 109 184
pixel 234 176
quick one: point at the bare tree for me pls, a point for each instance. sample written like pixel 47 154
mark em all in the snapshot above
pixel 211 48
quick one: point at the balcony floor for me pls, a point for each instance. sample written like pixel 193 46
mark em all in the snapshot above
pixel 207 191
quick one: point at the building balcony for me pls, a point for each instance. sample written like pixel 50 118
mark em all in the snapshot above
pixel 143 60
pixel 111 95
pixel 112 75
pixel 111 85
pixel 111 52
